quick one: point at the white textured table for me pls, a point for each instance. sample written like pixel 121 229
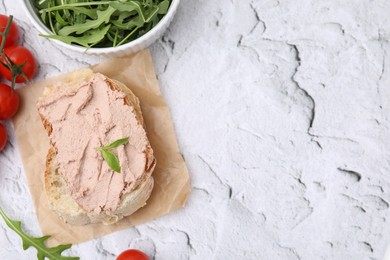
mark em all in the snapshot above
pixel 282 112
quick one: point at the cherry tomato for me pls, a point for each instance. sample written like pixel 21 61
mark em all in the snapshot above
pixel 132 254
pixel 9 102
pixel 19 55
pixel 3 137
pixel 13 33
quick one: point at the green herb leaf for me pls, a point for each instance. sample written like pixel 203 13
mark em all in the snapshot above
pixel 116 143
pixel 151 14
pixel 39 243
pixel 123 7
pixel 163 7
pixel 83 22
pixel 91 13
pixel 62 6
pixel 103 17
pixel 112 160
pixel 60 20
pixel 87 40
pixel 138 8
pixel 136 22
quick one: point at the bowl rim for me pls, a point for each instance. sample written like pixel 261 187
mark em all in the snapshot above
pixel 28 8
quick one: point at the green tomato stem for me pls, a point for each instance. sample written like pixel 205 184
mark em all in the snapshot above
pixel 5 33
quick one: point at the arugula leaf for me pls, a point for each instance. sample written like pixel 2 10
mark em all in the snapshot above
pixel 82 10
pixel 102 17
pixel 62 6
pixel 137 22
pixel 53 253
pixel 163 7
pixel 83 22
pixel 138 8
pixel 112 160
pixel 87 40
pixel 123 7
pixel 60 20
pixel 152 13
pixel 128 36
pixel 51 21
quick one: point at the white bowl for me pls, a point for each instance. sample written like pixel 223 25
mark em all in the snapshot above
pixel 134 46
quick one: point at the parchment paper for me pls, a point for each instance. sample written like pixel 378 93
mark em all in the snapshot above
pixel 172 183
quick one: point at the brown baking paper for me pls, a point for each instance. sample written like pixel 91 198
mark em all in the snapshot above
pixel 172 183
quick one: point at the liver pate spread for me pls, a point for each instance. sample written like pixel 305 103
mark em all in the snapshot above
pixel 85 118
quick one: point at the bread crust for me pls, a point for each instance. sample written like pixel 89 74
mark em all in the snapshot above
pixel 69 211
pixel 59 198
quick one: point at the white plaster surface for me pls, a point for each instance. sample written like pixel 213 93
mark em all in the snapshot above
pixel 282 113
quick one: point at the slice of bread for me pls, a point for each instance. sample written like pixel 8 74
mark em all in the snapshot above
pixel 61 201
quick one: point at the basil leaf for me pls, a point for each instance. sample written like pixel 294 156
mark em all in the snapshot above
pixel 112 160
pixel 116 143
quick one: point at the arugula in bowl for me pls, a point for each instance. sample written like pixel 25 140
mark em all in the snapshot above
pixel 101 23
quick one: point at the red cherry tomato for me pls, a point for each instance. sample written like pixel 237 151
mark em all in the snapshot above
pixel 13 33
pixel 20 55
pixel 9 102
pixel 3 137
pixel 132 254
